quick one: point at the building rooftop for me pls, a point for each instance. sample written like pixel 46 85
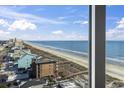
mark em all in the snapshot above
pixel 44 61
pixel 3 76
pixel 32 82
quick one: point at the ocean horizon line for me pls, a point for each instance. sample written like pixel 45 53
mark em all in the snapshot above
pixel 55 40
pixel 84 54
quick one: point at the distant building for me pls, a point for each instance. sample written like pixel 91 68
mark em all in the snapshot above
pixel 16 53
pixel 43 67
pixel 19 43
pixel 25 61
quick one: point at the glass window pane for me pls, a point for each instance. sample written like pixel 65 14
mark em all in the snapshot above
pixel 115 46
pixel 46 46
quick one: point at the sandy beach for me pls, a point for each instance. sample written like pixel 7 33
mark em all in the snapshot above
pixel 116 71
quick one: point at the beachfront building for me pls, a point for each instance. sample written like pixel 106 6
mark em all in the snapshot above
pixel 19 43
pixel 43 67
pixel 25 60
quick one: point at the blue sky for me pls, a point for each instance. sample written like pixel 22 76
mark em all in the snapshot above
pixel 115 22
pixel 55 22
pixel 44 22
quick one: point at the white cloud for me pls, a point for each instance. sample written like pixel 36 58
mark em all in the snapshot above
pixel 58 32
pixel 22 25
pixel 12 14
pixel 62 17
pixel 62 35
pixel 85 22
pixel 4 35
pixel 77 22
pixel 3 22
pixel 80 22
pixel 120 23
pixel 55 35
pixel 117 33
pixel 76 36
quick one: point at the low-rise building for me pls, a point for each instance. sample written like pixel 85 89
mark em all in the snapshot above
pixel 3 78
pixel 44 67
pixel 25 60
pixel 17 53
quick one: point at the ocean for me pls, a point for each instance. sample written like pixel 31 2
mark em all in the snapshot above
pixel 114 49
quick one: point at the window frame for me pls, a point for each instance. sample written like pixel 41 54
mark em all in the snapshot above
pixel 97 22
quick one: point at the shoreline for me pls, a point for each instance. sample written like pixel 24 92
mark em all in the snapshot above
pixel 113 70
pixel 61 54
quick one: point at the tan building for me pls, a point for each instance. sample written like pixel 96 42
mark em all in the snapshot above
pixel 19 43
pixel 44 67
